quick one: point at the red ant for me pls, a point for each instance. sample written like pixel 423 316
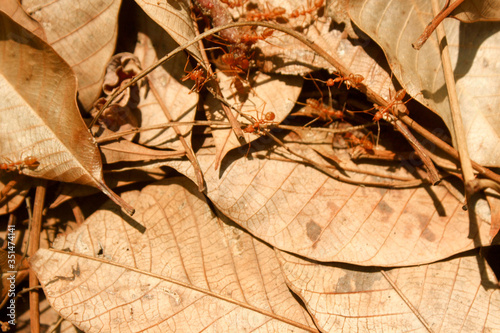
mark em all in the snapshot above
pixel 309 9
pixel 267 15
pixel 365 142
pixel 197 75
pixel 316 108
pixel 29 162
pixel 383 110
pixel 250 39
pixel 352 80
pixel 256 126
pixel 234 3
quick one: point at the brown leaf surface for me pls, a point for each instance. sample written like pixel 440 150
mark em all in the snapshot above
pixel 16 12
pixel 85 38
pixel 175 266
pixel 477 10
pixel 126 151
pixel 474 51
pixel 163 92
pixel 296 208
pixel 39 117
pixel 10 262
pixel 269 93
pixel 175 18
pixel 456 295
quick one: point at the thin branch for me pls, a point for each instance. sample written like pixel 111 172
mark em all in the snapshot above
pixel 458 126
pixel 33 247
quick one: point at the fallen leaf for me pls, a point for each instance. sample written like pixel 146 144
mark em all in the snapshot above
pixel 455 295
pixel 39 117
pixel 174 261
pixel 95 22
pixel 11 262
pixel 299 209
pixel 126 151
pixel 175 18
pixel 474 53
pixel 163 92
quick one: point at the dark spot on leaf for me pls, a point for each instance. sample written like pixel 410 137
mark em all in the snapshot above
pixel 313 230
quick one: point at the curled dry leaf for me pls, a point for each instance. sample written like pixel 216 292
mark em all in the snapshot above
pixel 455 295
pixel 39 119
pixel 473 49
pixel 175 18
pixel 16 12
pixel 95 22
pixel 268 93
pixel 298 209
pixel 176 260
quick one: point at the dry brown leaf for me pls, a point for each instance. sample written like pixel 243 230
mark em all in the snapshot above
pixel 126 151
pixel 175 267
pixel 85 38
pixel 456 295
pixel 296 208
pixel 477 10
pixel 175 18
pixel 16 12
pixel 39 117
pixel 163 92
pixel 269 93
pixel 473 48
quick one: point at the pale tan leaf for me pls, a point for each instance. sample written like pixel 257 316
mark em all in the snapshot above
pixel 163 92
pixel 296 208
pixel 14 9
pixel 39 117
pixel 395 25
pixel 175 267
pixel 85 38
pixel 175 18
pixel 455 295
pixel 477 10
pixel 268 93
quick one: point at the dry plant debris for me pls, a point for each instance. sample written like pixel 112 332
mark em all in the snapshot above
pixel 281 165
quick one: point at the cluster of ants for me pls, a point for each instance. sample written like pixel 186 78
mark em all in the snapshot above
pixel 237 60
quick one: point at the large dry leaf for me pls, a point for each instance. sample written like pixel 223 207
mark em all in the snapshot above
pixel 395 25
pixel 175 18
pixel 14 9
pixel 177 267
pixel 85 38
pixel 39 117
pixel 163 92
pixel 298 209
pixel 456 295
